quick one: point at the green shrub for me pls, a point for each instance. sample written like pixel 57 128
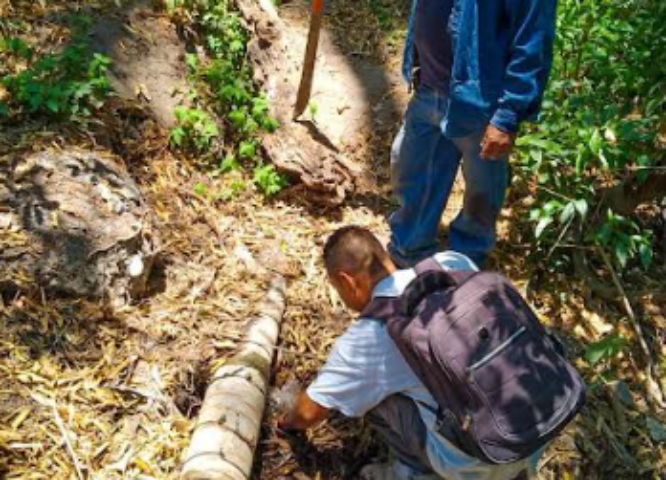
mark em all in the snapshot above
pixel 223 82
pixel 602 117
pixel 195 130
pixel 69 83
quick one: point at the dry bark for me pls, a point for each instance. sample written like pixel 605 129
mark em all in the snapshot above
pixel 73 222
pixel 296 149
pixel 227 430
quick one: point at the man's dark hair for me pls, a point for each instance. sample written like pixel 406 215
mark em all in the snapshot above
pixel 354 249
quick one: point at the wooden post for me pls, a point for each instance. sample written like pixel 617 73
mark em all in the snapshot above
pixel 227 430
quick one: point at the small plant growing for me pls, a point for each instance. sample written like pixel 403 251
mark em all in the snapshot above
pixel 313 109
pixel 601 354
pixel 223 81
pixel 70 83
pixel 268 180
pixel 195 130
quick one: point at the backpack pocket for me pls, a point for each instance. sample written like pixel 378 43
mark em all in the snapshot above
pixel 522 385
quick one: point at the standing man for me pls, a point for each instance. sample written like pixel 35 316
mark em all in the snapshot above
pixel 480 68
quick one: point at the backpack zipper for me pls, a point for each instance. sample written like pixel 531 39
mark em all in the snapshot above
pixel 490 355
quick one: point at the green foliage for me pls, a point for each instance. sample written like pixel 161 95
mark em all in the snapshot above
pixel 604 350
pixel 624 238
pixel 70 83
pixel 602 117
pixel 601 354
pixel 313 109
pixel 268 179
pixel 200 189
pixel 224 82
pixel 195 130
pixel 229 164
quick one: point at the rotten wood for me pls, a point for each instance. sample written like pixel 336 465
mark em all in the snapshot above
pixel 74 223
pixel 296 149
pixel 227 430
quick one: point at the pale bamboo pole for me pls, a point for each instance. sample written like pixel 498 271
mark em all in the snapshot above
pixel 227 430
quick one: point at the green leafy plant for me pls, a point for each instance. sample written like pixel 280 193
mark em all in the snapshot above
pixel 69 83
pixel 604 350
pixel 313 109
pixel 268 180
pixel 200 189
pixel 624 238
pixel 223 82
pixel 195 130
pixel 229 163
pixel 598 141
pixel 232 191
pixel 601 354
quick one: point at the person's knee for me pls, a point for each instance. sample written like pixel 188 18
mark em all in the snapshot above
pixel 480 208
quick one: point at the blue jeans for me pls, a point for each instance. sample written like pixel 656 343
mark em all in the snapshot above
pixel 424 163
pixel 398 421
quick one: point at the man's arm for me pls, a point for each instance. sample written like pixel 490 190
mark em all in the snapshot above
pixel 305 414
pixel 532 23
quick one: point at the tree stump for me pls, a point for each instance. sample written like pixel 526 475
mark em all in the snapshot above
pixel 73 222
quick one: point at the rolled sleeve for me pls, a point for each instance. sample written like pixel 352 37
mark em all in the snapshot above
pixel 506 120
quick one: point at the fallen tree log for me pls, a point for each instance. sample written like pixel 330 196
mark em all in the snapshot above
pixel 227 430
pixel 295 149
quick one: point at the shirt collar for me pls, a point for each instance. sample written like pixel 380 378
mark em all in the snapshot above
pixel 394 284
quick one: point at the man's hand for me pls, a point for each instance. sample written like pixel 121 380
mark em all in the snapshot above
pixel 306 413
pixel 496 144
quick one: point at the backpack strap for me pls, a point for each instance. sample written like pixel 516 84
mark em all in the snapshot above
pixel 383 308
pixel 431 277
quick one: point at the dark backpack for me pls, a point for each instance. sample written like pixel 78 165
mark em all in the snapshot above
pixel 503 387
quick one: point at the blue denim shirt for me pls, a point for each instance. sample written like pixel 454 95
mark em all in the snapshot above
pixel 502 54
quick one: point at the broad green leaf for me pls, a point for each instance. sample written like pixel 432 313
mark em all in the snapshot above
pixel 567 212
pixel 645 252
pixel 596 142
pixel 604 349
pixel 621 253
pixel 581 206
pixel 177 135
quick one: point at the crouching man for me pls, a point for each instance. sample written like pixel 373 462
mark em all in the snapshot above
pixel 367 375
